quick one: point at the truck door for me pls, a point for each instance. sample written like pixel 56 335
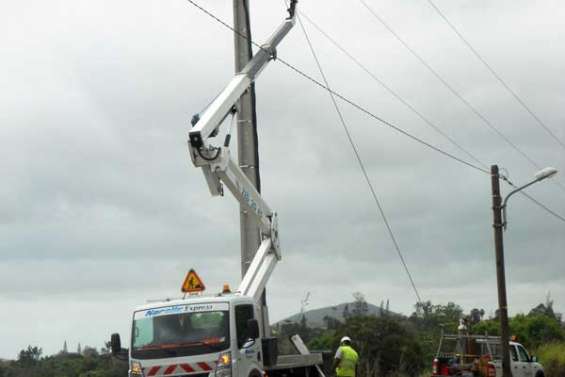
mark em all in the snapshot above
pixel 525 361
pixel 515 365
pixel 518 367
pixel 248 355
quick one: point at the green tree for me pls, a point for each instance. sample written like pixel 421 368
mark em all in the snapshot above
pixel 385 344
pixel 331 322
pixel 431 317
pixel 476 315
pixel 29 356
pixel 31 364
pixel 534 330
pixel 346 312
pixel 430 320
pixel 360 306
pixel 487 327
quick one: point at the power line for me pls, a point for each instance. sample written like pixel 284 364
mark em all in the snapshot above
pixel 420 115
pixel 391 91
pixel 360 162
pixel 496 75
pixel 345 99
pixel 360 108
pixel 555 214
pixel 453 91
pixel 381 120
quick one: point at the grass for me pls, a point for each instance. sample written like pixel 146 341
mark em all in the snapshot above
pixel 552 357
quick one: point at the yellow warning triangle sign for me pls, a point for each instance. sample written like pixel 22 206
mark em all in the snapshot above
pixel 192 283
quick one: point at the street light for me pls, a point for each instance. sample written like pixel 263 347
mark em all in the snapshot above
pixel 539 176
pixel 499 212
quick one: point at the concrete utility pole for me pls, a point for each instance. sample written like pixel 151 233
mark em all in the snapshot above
pixel 500 274
pixel 499 211
pixel 246 131
pixel 247 143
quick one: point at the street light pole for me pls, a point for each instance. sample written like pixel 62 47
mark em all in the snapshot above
pixel 499 225
pixel 500 274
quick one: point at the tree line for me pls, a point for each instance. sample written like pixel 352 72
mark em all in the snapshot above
pixel 389 344
pixel 89 363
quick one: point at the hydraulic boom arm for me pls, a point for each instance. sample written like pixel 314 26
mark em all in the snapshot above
pixel 221 170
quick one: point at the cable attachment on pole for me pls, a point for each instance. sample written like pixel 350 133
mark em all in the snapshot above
pixel 292 9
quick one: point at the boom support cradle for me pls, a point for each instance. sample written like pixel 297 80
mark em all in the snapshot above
pixel 221 170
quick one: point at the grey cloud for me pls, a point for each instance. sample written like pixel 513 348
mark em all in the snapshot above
pixel 101 209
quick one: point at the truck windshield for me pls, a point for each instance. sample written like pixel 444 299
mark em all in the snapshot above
pixel 180 330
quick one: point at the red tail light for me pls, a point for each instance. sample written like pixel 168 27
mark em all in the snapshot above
pixel 491 370
pixel 434 367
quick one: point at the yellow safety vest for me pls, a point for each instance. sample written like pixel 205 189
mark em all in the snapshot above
pixel 346 367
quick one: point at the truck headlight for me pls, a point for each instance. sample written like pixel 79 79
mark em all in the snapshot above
pixel 223 365
pixel 135 369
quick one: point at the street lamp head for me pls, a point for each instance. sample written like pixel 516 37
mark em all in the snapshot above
pixel 539 176
pixel 545 173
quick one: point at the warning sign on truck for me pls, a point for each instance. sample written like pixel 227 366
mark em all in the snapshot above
pixel 192 283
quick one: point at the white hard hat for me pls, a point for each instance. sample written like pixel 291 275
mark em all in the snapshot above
pixel 345 339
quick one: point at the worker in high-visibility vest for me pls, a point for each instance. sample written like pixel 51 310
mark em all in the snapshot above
pixel 345 362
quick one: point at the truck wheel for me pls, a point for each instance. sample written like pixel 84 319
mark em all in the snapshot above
pixel 256 373
pixel 540 374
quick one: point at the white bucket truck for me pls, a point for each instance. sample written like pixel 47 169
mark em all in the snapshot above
pixel 222 335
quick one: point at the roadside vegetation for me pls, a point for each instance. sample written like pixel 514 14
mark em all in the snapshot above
pixel 88 363
pixel 389 344
pixel 393 345
pixel 552 356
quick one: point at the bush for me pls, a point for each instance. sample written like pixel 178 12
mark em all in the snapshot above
pixel 552 357
pixel 386 346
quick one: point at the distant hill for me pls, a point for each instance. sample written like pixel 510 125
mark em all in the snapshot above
pixel 315 317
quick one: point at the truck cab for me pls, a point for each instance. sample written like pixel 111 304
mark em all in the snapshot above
pixel 196 336
pixel 521 363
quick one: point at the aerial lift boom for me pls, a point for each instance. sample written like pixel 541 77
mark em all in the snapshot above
pixel 221 170
pixel 243 346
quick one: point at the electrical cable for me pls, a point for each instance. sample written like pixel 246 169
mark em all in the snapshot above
pixel 415 111
pixel 391 91
pixel 481 116
pixel 345 99
pixel 360 108
pixel 496 75
pixel 379 119
pixel 360 161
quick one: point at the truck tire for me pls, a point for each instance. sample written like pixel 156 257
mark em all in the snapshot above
pixel 539 373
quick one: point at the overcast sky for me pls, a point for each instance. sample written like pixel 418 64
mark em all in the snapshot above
pixel 101 209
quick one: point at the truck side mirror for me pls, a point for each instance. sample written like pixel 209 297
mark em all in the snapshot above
pixel 534 359
pixel 115 344
pixel 253 328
